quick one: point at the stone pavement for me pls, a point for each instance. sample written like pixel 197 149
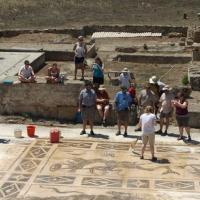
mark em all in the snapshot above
pixel 97 168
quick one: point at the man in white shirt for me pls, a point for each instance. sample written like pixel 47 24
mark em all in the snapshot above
pixel 26 74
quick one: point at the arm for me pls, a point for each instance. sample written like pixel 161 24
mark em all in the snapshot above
pixel 74 47
pixel 180 105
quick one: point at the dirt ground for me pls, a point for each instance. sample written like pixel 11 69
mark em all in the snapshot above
pixel 77 13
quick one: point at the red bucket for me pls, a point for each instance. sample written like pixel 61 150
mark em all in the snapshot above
pixel 54 136
pixel 31 130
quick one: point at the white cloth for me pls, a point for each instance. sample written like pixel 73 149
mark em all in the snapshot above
pixel 80 50
pixel 166 105
pixel 26 72
pixel 148 121
pixel 125 79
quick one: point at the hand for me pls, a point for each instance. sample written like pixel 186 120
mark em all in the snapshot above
pixel 79 110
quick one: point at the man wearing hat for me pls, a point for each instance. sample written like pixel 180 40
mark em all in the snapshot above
pixel 87 106
pixel 26 74
pixel 166 109
pixel 125 78
pixel 123 102
pixel 103 105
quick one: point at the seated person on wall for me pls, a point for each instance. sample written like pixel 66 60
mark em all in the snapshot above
pixel 103 105
pixel 26 74
pixel 53 74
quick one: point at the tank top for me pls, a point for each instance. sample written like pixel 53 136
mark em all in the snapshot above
pixel 181 111
pixel 80 50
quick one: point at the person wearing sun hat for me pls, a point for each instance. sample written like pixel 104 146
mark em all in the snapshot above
pixel 166 109
pixel 125 78
pixel 103 105
pixel 123 102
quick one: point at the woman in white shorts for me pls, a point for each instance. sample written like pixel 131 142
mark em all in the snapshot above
pixel 147 123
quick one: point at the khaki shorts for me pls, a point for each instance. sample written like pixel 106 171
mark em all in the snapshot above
pixel 88 113
pixel 150 138
pixel 123 116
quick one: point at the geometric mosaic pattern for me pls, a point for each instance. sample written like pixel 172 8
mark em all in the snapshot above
pixel 83 169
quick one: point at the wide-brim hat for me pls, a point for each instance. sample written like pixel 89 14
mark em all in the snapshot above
pixel 166 88
pixel 153 80
pixel 125 70
pixel 102 87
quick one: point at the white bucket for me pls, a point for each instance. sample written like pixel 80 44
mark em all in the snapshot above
pixel 18 133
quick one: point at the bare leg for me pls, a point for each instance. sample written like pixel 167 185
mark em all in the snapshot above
pixel 106 112
pixel 84 124
pixel 83 71
pixel 188 131
pixel 181 132
pixel 161 123
pixel 75 71
pixel 91 124
pixel 167 124
pixel 119 125
pixel 100 111
pixel 152 150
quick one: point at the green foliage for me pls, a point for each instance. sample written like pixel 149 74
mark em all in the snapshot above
pixel 185 80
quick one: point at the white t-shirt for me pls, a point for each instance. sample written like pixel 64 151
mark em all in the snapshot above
pixel 26 72
pixel 148 121
pixel 125 80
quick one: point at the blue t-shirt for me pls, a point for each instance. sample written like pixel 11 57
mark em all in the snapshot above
pixel 122 101
pixel 97 71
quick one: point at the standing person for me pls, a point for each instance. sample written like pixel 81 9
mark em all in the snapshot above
pixel 103 105
pixel 53 74
pixel 123 102
pixel 125 78
pixel 132 92
pixel 166 109
pixel 87 106
pixel 146 98
pixel 80 50
pixel 98 71
pixel 147 123
pixel 182 115
pixel 26 73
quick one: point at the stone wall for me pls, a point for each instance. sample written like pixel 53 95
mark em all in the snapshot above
pixel 89 30
pixel 40 100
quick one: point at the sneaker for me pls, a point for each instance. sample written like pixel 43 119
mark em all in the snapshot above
pixel 118 133
pixel 82 132
pixel 138 129
pixel 125 134
pixel 82 79
pixel 165 133
pixel 180 138
pixel 141 157
pixel 154 159
pixel 189 139
pixel 91 132
pixel 159 132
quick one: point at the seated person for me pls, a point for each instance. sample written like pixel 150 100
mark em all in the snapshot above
pixel 53 74
pixel 26 74
pixel 103 105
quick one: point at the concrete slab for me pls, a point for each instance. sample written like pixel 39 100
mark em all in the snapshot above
pixel 10 62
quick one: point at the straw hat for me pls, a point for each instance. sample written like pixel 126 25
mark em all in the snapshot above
pixel 153 80
pixel 166 88
pixel 102 87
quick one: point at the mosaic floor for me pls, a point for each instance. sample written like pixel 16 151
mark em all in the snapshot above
pixel 94 170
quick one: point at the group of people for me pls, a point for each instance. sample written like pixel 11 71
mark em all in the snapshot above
pixel 26 74
pixel 156 97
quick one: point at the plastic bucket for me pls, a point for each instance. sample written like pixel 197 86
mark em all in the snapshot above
pixel 31 130
pixel 54 136
pixel 18 133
